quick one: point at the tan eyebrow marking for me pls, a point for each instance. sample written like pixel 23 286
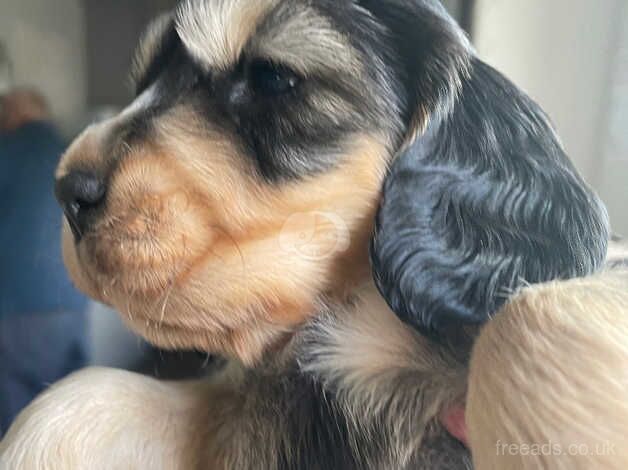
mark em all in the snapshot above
pixel 306 41
pixel 215 32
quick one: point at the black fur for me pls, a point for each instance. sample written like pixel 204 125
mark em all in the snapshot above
pixel 290 135
pixel 482 202
pixel 308 427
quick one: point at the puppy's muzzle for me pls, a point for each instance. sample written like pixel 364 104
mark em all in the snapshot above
pixel 80 194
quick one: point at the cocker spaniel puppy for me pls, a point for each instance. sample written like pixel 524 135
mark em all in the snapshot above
pixel 332 194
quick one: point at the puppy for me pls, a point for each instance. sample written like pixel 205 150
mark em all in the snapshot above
pixel 559 352
pixel 280 156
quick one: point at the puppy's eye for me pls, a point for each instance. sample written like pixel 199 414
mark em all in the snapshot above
pixel 271 80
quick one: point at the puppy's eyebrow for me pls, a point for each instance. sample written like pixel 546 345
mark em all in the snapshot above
pixel 216 31
pixel 303 39
pixel 150 47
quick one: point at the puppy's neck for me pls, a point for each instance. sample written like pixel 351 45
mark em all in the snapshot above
pixel 284 350
pixel 348 274
pixel 280 346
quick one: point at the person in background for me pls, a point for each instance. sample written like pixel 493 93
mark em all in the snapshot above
pixel 43 324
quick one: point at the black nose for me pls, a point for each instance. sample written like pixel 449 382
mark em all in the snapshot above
pixel 79 194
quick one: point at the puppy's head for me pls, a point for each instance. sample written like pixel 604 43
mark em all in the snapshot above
pixel 242 183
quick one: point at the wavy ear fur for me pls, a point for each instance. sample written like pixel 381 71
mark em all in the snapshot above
pixel 483 199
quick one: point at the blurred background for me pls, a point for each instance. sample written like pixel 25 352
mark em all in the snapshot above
pixel 570 55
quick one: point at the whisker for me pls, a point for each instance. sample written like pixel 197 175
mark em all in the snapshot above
pixel 165 304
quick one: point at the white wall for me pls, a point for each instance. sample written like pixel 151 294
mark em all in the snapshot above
pixel 452 5
pixel 564 53
pixel 612 176
pixel 46 43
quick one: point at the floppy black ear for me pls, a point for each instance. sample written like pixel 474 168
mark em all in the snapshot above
pixel 484 198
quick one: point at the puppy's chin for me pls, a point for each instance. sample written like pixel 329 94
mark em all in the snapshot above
pixel 222 296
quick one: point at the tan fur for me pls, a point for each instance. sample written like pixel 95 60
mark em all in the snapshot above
pixel 194 248
pixel 216 31
pixel 382 371
pixel 361 349
pixel 549 380
pixel 301 38
pixel 187 212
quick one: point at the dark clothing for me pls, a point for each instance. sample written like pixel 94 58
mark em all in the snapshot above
pixel 33 279
pixel 42 317
pixel 35 352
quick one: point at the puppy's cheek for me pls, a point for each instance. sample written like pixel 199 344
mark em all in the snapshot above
pixel 238 301
pixel 237 285
pixel 255 280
